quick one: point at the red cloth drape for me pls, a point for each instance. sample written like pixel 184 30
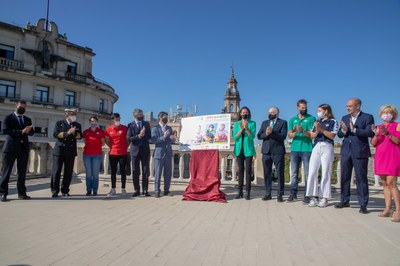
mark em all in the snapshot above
pixel 204 182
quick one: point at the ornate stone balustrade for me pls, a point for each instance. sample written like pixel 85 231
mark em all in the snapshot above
pixel 40 162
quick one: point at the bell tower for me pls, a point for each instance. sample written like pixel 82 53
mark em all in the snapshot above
pixel 232 99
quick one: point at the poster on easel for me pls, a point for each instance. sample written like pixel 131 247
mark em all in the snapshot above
pixel 205 132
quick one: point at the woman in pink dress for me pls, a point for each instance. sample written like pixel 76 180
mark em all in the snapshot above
pixel 387 158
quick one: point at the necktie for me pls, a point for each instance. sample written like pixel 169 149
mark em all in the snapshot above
pixel 139 125
pixel 21 123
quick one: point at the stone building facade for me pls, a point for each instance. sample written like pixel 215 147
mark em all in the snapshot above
pixel 41 67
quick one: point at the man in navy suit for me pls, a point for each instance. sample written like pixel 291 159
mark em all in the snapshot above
pixel 273 134
pixel 66 132
pixel 162 136
pixel 16 127
pixel 139 134
pixel 355 129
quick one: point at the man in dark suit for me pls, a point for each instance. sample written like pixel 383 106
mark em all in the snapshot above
pixel 16 127
pixel 139 134
pixel 355 129
pixel 66 132
pixel 273 134
pixel 162 136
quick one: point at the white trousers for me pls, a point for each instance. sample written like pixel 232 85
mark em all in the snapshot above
pixel 322 155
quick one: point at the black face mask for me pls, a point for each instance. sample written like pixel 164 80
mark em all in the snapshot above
pixel 303 112
pixel 164 120
pixel 245 117
pixel 20 110
pixel 140 118
pixel 271 117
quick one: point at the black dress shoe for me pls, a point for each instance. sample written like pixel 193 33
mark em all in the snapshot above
pixel 24 197
pixel 4 198
pixel 55 195
pixel 363 210
pixel 146 194
pixel 157 195
pixel 135 194
pixel 267 197
pixel 248 196
pixel 94 193
pixel 168 194
pixel 88 193
pixel 342 205
pixel 279 199
pixel 239 195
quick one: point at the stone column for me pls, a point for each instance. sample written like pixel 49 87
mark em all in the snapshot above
pixel 338 171
pixel 32 161
pixel 181 165
pixel 223 169
pixel 151 165
pixel 303 177
pixel 234 166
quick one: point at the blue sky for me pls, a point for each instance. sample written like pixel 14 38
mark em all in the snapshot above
pixel 157 54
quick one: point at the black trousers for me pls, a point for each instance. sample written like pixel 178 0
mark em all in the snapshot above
pixel 244 162
pixel 8 163
pixel 279 161
pixel 114 161
pixel 144 159
pixel 58 163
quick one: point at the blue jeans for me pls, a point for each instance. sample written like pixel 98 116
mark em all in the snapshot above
pixel 295 162
pixel 92 166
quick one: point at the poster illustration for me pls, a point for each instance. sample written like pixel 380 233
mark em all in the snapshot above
pixel 205 132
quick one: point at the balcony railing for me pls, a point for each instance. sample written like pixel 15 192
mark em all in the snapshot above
pixel 13 64
pixel 75 77
pixel 42 100
pixel 71 104
pixel 12 96
pixel 41 156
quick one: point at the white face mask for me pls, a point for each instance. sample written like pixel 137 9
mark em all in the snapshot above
pixel 93 124
pixel 72 118
pixel 320 115
pixel 117 123
pixel 387 117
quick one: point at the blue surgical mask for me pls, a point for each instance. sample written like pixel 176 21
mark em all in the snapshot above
pixel 320 115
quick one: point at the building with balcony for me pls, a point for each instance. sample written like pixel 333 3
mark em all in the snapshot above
pixel 41 67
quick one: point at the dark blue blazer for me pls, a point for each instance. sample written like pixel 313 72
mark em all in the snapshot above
pixel 66 144
pixel 14 137
pixel 273 143
pixel 357 143
pixel 139 143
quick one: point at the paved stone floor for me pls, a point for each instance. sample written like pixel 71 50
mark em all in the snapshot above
pixel 81 230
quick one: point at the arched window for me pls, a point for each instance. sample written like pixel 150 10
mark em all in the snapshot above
pixel 231 108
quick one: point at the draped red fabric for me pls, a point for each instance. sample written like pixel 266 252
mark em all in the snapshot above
pixel 204 182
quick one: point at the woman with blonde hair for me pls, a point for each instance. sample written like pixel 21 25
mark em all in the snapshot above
pixel 387 158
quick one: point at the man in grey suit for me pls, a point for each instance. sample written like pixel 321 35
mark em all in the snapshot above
pixel 162 136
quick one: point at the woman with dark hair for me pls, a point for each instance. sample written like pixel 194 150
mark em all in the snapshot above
pixel 386 139
pixel 244 132
pixel 323 133
pixel 94 139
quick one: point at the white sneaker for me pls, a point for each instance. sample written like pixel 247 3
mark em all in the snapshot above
pixel 123 193
pixel 313 202
pixel 111 193
pixel 323 203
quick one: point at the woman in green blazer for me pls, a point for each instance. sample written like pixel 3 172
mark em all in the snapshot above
pixel 244 132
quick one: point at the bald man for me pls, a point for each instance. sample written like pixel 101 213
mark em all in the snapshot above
pixel 355 129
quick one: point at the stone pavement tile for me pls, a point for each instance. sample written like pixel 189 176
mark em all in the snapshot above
pixel 82 230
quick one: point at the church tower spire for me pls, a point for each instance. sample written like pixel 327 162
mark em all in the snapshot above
pixel 232 98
